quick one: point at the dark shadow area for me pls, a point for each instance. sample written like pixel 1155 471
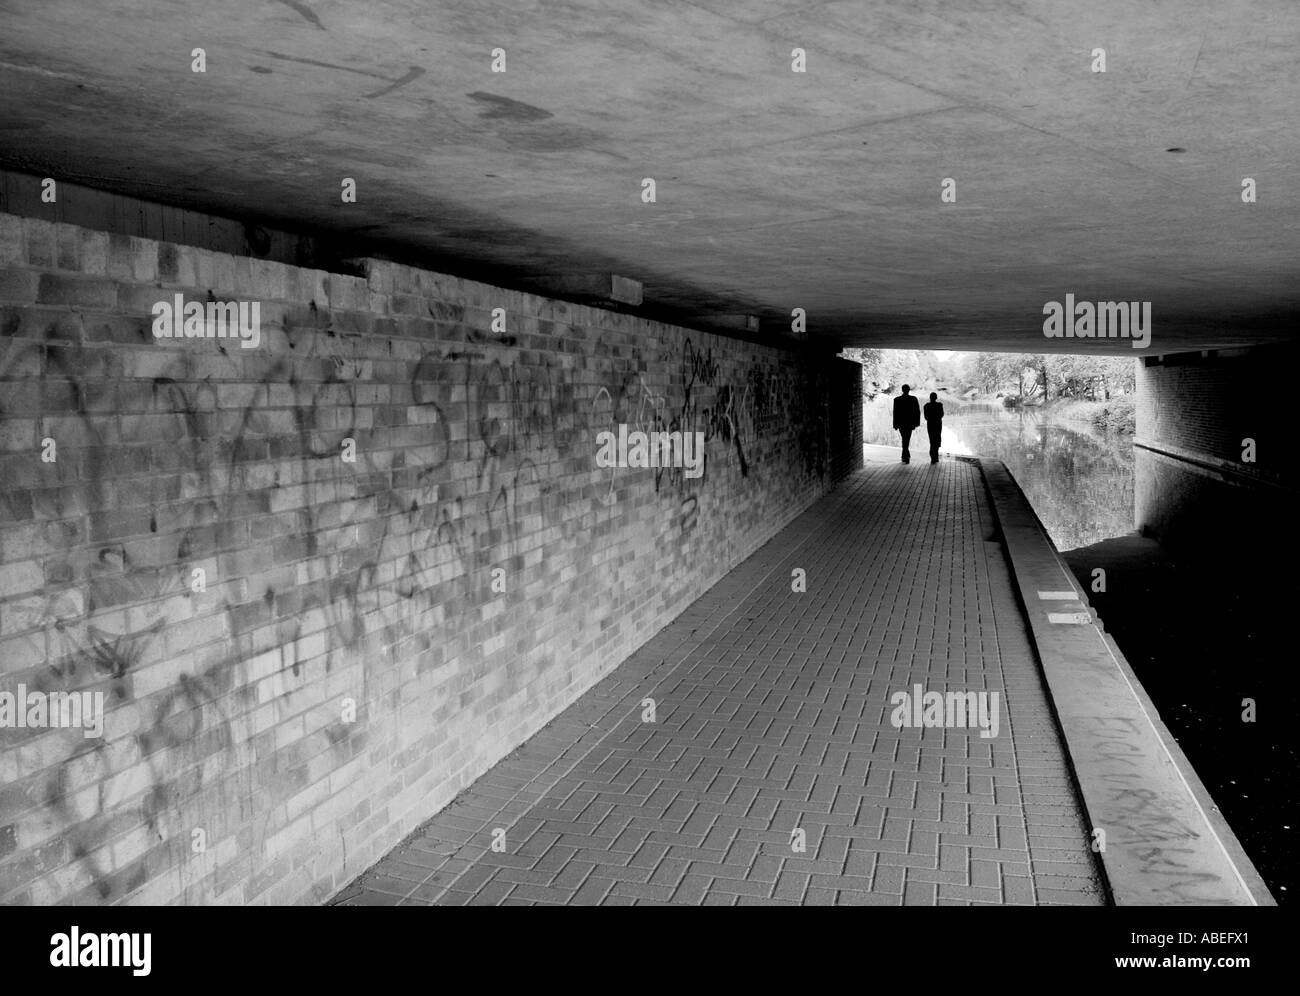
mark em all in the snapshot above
pixel 1202 633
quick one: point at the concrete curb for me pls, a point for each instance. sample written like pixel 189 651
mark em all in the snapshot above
pixel 1166 844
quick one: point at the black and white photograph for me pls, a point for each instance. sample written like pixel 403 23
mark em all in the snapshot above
pixel 648 453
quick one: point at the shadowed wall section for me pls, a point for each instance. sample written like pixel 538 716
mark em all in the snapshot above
pixel 369 635
pixel 1215 455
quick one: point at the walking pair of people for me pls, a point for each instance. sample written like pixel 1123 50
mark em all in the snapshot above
pixel 907 416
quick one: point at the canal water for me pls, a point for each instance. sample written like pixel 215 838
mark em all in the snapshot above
pixel 1078 479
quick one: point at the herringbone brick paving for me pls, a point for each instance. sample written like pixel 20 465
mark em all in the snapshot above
pixel 771 714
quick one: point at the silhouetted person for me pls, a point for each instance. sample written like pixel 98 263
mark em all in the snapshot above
pixel 907 416
pixel 934 425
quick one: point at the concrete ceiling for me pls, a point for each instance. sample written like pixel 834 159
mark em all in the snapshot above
pixel 776 190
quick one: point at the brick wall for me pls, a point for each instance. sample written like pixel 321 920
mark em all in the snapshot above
pixel 464 578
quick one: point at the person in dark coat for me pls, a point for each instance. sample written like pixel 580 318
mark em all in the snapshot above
pixel 934 425
pixel 907 416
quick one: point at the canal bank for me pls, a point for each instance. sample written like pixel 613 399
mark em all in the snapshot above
pixel 1203 637
pixel 1159 836
pixel 1206 640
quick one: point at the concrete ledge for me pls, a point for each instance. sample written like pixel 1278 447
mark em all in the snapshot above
pixel 1166 843
pixel 593 286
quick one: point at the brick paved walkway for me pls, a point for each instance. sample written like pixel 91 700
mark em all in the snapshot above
pixel 773 713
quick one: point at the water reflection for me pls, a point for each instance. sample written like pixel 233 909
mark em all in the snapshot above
pixel 1079 480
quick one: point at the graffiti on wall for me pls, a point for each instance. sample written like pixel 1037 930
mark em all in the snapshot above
pixel 314 563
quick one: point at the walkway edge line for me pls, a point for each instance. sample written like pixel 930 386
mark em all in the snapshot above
pixel 1165 841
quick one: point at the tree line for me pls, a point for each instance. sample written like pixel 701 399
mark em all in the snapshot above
pixel 1023 376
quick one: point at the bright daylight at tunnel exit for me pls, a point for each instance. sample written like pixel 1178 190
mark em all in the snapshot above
pixel 711 453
